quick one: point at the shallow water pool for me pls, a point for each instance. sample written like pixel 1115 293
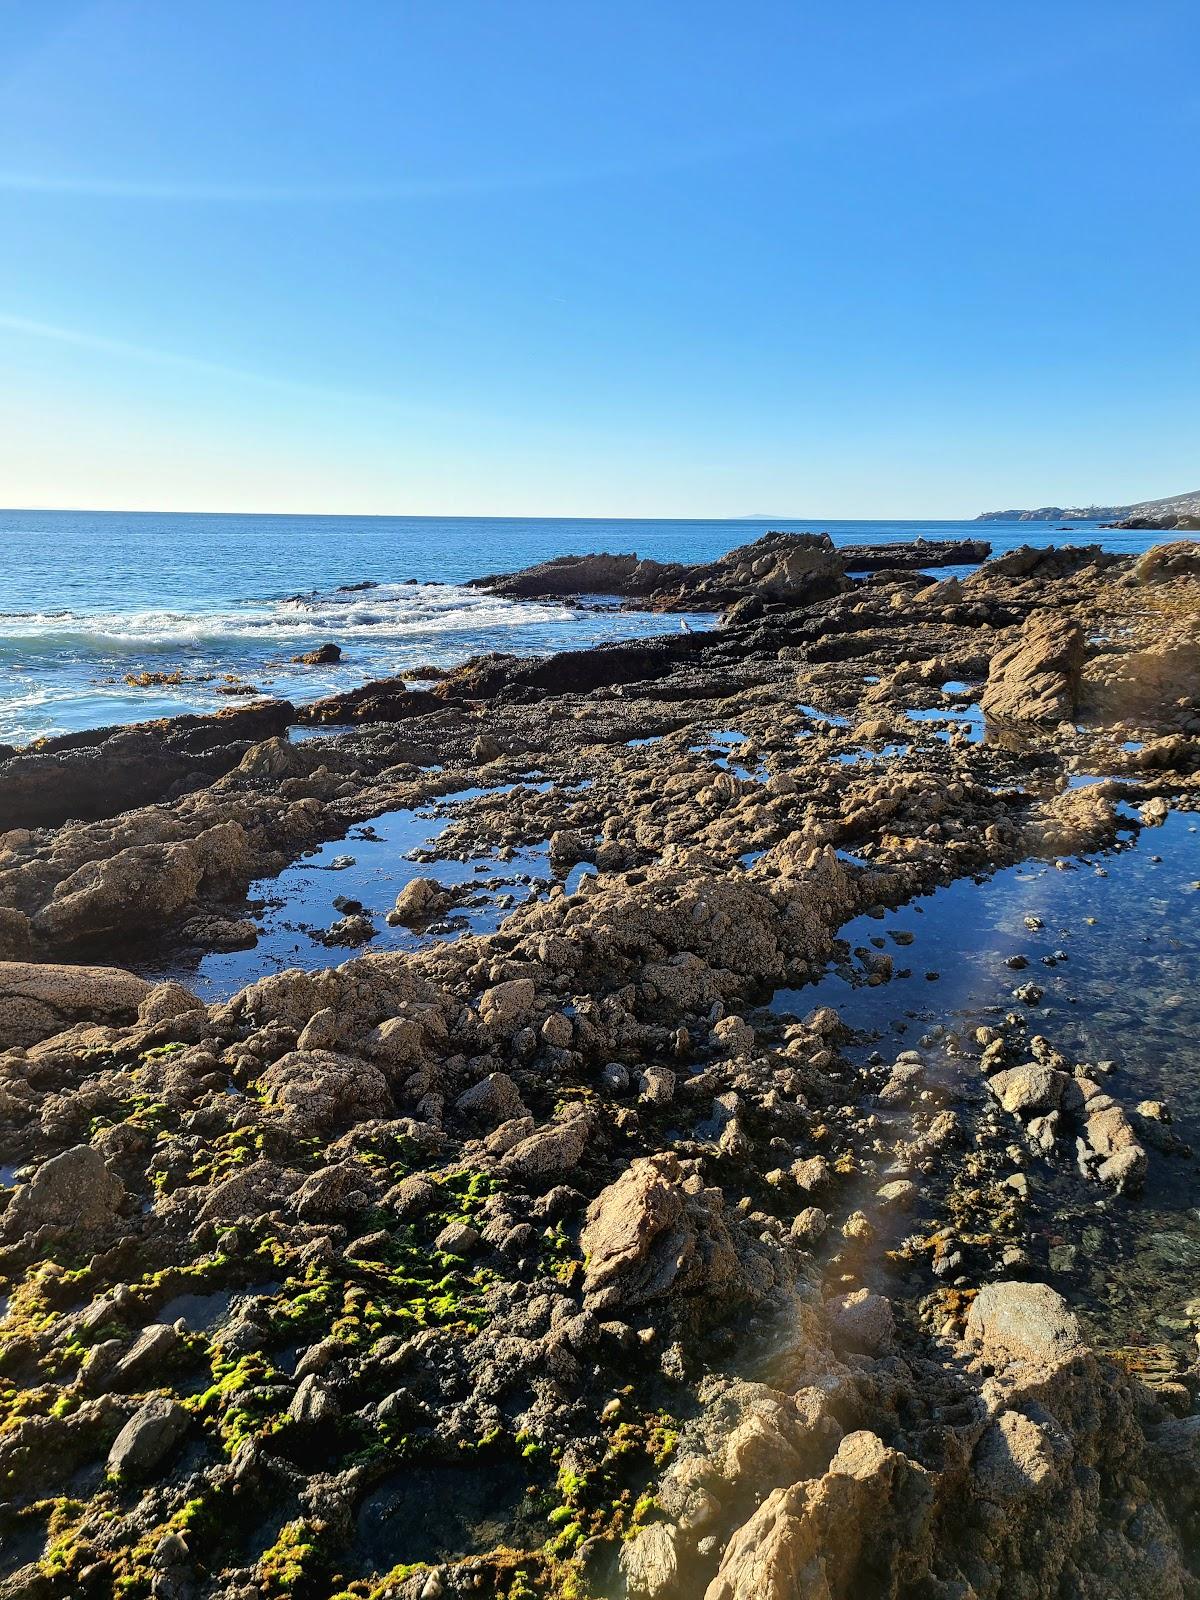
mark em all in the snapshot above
pixel 1113 944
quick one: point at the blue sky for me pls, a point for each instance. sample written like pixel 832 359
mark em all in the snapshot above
pixel 598 259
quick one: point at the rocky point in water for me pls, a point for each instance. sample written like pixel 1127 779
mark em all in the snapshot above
pixel 547 1260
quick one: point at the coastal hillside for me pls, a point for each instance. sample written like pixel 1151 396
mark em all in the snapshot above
pixel 1181 512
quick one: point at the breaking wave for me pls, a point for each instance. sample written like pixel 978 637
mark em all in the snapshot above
pixel 396 611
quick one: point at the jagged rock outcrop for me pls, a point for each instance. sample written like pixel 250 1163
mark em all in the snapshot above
pixel 529 1198
pixel 1036 678
pixel 144 884
pixel 913 555
pixel 796 567
pixel 1139 683
pixel 655 1237
pixel 103 771
pixel 1043 1479
pixel 1179 559
pixel 1044 561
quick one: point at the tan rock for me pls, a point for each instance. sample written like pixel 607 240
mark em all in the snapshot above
pixel 73 1191
pixel 1036 678
pixel 38 1000
pixel 1014 1321
pixel 550 1152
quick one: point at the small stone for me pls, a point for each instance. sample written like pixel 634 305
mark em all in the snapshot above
pixel 457 1239
pixel 861 1321
pixel 312 1404
pixel 900 1194
pixel 812 1174
pixel 809 1225
pixel 147 1438
pixel 858 1227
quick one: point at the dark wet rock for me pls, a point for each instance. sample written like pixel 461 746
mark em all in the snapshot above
pixel 382 700
pixel 324 656
pixel 106 770
pixel 779 566
pixel 144 1358
pixel 16 935
pixel 73 1193
pixel 918 554
pixel 147 1439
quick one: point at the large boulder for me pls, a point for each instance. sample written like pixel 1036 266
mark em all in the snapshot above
pixel 145 885
pixel 1029 1089
pixel 38 1000
pixel 73 1192
pixel 656 1238
pixel 1022 1322
pixel 147 1438
pixel 318 1091
pixel 1036 677
pixel 1179 559
pixel 549 1153
pixel 1119 685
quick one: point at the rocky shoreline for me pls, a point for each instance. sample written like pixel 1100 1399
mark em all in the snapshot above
pixel 550 1259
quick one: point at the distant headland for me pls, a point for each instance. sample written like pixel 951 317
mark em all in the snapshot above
pixel 1179 512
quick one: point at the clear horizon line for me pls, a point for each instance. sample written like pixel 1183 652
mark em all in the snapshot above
pixel 462 516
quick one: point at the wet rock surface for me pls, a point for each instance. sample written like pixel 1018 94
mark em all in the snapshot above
pixel 536 1253
pixel 796 567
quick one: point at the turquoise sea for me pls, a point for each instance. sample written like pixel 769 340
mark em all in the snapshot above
pixel 88 597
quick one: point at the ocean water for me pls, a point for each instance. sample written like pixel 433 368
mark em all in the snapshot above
pixel 89 597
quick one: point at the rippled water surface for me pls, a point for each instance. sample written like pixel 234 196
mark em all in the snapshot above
pixel 88 597
pixel 361 875
pixel 1115 948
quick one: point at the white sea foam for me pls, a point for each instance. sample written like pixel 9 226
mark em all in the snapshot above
pixel 62 669
pixel 393 611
